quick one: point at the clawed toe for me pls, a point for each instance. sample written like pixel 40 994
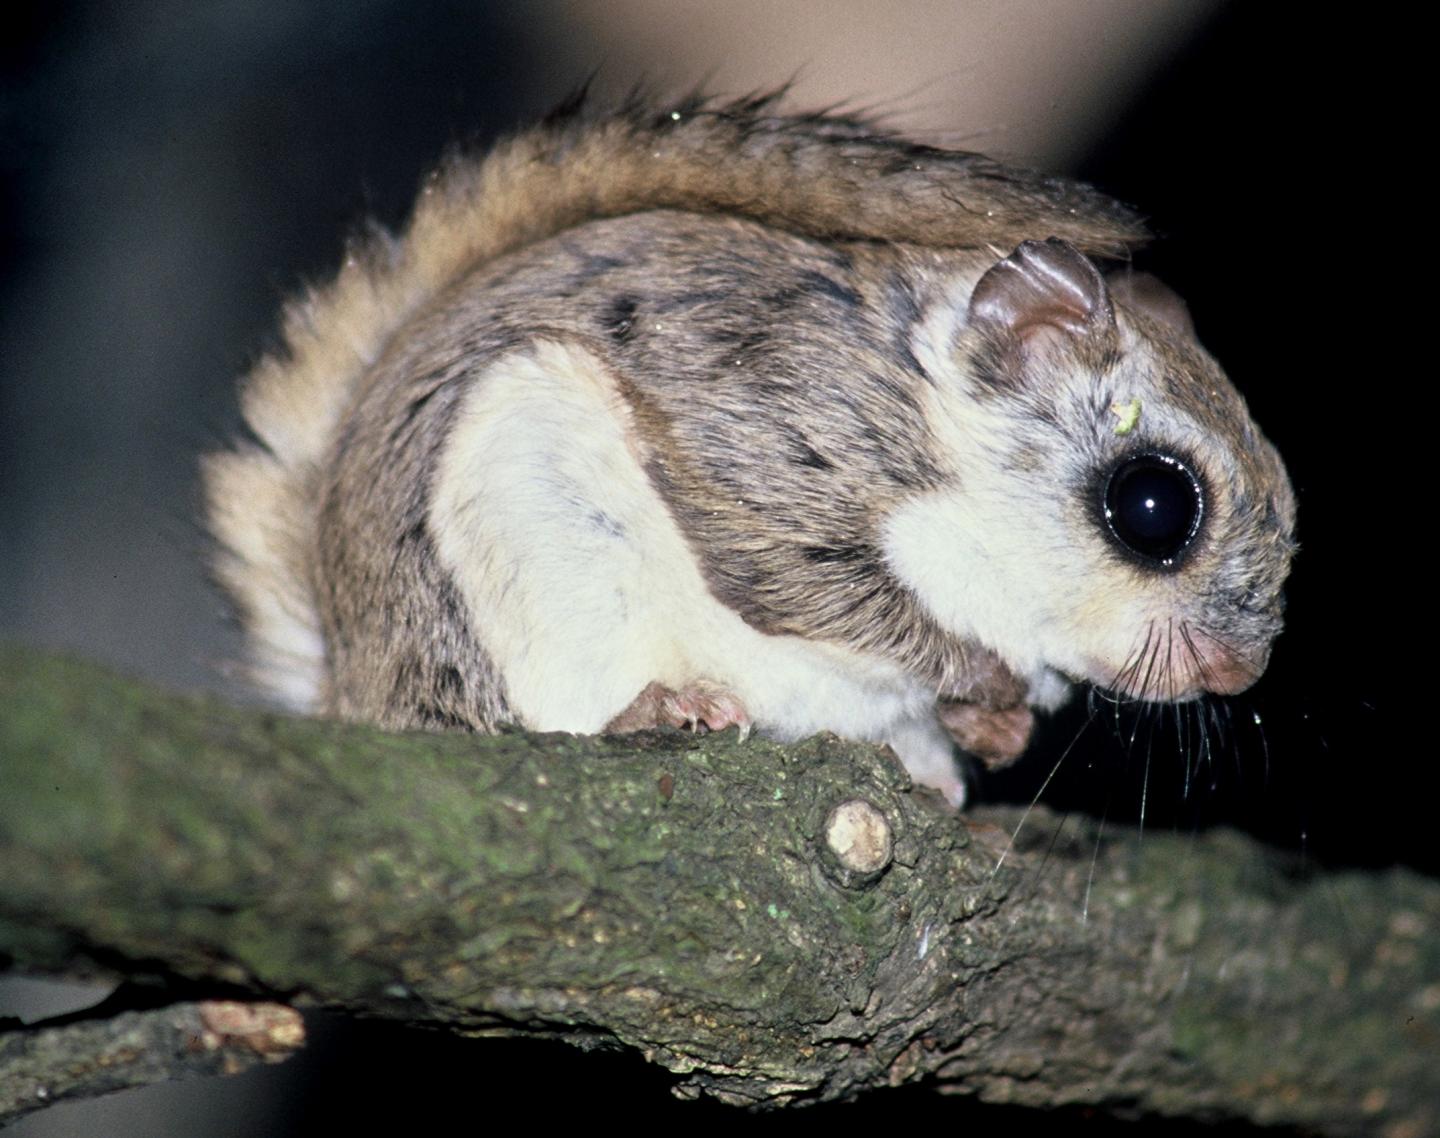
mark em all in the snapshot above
pixel 699 706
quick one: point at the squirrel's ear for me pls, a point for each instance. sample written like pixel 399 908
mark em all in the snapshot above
pixel 1152 297
pixel 1043 297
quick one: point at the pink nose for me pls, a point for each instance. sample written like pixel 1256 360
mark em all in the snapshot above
pixel 1223 670
pixel 1229 676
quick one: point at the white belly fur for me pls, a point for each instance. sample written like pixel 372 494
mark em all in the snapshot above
pixel 583 590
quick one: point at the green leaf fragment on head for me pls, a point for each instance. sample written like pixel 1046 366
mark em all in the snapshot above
pixel 1127 414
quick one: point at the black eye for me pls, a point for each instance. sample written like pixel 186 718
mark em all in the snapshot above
pixel 1153 506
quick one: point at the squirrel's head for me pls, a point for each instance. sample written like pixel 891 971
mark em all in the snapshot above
pixel 1110 512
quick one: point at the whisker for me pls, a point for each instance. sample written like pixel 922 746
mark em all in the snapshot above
pixel 1035 801
pixel 1204 716
pixel 1264 745
pixel 1201 667
pixel 1224 734
pixel 1150 659
pixel 1095 855
pixel 1170 659
pixel 1182 741
pixel 1230 650
pixel 1150 665
pixel 1135 729
pixel 1122 680
pixel 1154 711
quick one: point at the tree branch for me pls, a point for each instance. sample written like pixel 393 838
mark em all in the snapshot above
pixel 41 1066
pixel 717 905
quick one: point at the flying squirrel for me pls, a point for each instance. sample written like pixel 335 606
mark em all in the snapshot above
pixel 710 414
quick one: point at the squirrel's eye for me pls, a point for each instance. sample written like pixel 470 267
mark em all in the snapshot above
pixel 1153 505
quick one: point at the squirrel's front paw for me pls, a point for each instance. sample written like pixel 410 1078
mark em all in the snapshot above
pixel 699 706
pixel 995 736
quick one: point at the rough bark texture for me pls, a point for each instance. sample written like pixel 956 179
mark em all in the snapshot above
pixel 42 1066
pixel 704 901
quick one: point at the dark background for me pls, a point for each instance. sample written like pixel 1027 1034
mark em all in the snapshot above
pixel 169 180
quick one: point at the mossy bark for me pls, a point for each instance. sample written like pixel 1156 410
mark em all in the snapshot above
pixel 679 894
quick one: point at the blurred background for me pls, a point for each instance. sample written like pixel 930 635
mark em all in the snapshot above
pixel 174 169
